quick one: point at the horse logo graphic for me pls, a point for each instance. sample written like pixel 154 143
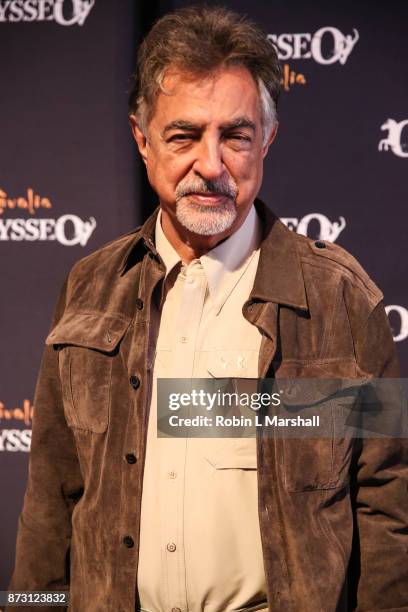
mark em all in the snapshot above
pixel 79 233
pixel 327 230
pixel 393 140
pixel 80 11
pixel 345 46
pixel 342 45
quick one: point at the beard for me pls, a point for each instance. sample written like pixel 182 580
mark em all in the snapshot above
pixel 206 219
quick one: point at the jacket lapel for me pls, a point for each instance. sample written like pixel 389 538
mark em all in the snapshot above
pixel 278 281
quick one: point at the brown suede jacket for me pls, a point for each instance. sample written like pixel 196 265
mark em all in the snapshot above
pixel 333 513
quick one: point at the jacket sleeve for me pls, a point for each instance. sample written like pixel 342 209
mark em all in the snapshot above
pixel 380 490
pixel 54 484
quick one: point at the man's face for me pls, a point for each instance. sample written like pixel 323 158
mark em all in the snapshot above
pixel 204 150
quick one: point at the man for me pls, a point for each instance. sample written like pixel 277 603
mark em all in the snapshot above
pixel 212 285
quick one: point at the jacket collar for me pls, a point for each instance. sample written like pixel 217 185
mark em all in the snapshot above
pixel 142 242
pixel 279 276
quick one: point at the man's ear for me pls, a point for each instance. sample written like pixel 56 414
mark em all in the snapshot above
pixel 140 138
pixel 271 138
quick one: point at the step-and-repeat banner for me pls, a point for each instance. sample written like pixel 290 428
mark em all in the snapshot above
pixel 68 184
pixel 70 179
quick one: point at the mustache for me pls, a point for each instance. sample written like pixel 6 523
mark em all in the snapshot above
pixel 222 187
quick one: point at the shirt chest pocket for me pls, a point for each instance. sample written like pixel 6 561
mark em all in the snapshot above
pixel 87 345
pixel 239 452
pixel 232 363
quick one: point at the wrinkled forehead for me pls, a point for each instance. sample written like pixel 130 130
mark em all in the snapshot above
pixel 217 96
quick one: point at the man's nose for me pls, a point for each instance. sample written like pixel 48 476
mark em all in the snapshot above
pixel 209 163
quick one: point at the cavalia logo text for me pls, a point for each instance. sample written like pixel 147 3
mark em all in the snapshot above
pixel 63 12
pixel 316 225
pixel 326 46
pixel 393 141
pixel 19 414
pixel 68 229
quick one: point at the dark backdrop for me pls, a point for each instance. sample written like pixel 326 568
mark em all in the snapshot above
pixel 70 179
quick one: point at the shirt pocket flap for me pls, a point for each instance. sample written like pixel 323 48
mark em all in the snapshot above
pixel 102 332
pixel 232 454
pixel 233 363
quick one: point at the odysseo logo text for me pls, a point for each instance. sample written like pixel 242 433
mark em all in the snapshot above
pixel 326 46
pixel 62 12
pixel 68 229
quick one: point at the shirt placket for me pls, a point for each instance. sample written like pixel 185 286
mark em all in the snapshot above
pixel 192 288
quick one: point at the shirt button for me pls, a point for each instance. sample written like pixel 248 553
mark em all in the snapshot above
pixel 171 547
pixel 172 474
pixel 183 339
pixel 131 458
pixel 128 541
pixel 139 304
pixel 320 245
pixel 135 382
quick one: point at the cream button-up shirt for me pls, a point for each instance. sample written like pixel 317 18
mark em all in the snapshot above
pixel 200 545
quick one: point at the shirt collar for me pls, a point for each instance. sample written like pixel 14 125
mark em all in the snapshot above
pixel 165 249
pixel 223 265
pixel 279 276
pixel 226 263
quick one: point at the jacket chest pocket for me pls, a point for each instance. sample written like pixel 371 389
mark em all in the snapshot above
pixel 313 464
pixel 87 345
pixel 318 458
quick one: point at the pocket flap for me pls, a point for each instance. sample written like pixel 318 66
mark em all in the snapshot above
pixel 306 384
pixel 233 363
pixel 97 331
pixel 232 454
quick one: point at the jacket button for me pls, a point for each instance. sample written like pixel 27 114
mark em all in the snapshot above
pixel 320 245
pixel 128 541
pixel 139 304
pixel 135 382
pixel 131 458
pixel 171 547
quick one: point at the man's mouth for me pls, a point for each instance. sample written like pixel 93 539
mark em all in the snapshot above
pixel 208 197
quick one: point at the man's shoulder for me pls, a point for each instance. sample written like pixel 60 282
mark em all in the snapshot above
pixel 338 262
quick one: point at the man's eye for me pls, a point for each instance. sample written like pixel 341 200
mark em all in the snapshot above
pixel 242 137
pixel 180 137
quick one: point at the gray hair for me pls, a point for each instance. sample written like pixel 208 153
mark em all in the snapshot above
pixel 199 40
pixel 268 111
